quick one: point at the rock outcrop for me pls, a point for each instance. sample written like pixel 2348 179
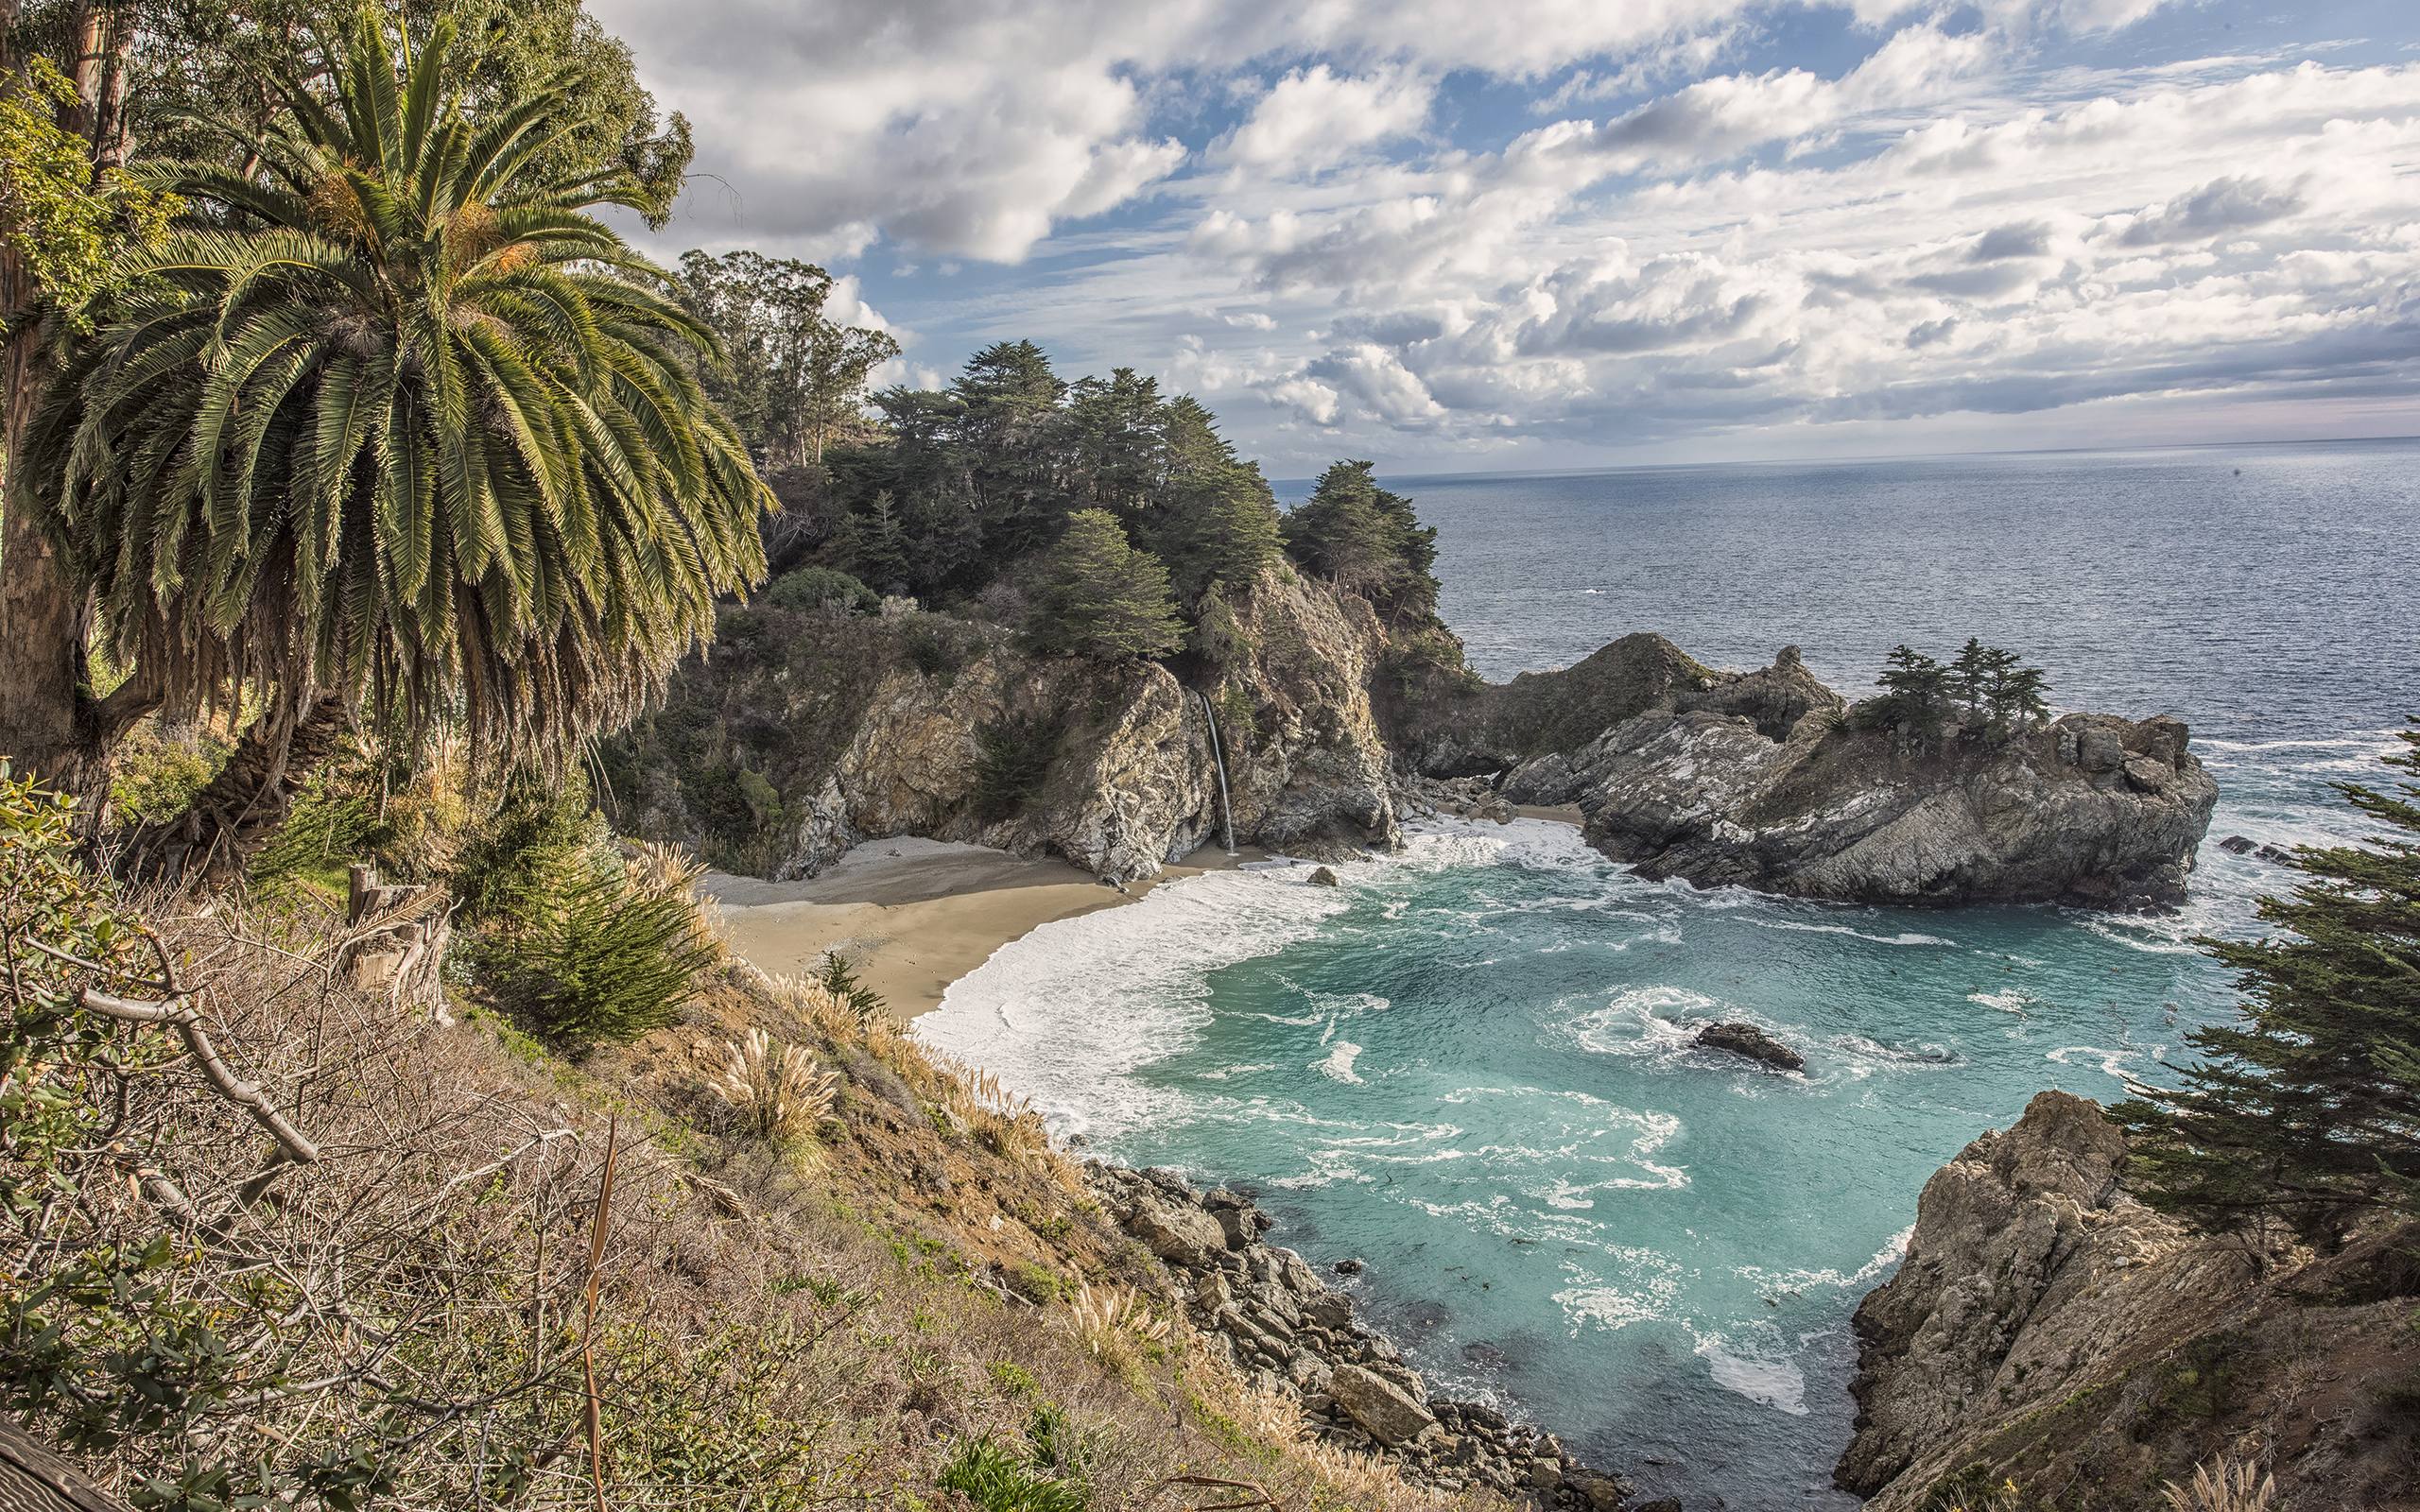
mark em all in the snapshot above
pixel 1292 1333
pixel 1748 1040
pixel 1769 779
pixel 2047 1327
pixel 810 733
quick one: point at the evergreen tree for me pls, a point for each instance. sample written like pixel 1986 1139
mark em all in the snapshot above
pixel 1099 597
pixel 2307 1110
pixel 1915 689
pixel 1969 679
pixel 1345 531
pixel 2020 696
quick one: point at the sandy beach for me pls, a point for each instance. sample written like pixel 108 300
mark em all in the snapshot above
pixel 914 916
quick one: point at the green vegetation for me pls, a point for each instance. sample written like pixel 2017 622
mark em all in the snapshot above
pixel 836 975
pixel 1993 689
pixel 997 1477
pixel 1099 597
pixel 2306 1113
pixel 448 458
pixel 1368 539
pixel 821 588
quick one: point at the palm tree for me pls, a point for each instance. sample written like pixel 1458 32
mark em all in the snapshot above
pixel 398 432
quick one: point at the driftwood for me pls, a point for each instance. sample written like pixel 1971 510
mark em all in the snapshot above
pixel 32 1479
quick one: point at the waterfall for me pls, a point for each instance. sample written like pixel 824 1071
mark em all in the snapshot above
pixel 1219 758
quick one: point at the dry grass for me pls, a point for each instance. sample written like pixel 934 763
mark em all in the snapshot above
pixel 2223 1485
pixel 773 1089
pixel 771 1334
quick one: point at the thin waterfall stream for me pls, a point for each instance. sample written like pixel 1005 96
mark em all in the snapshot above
pixel 1219 759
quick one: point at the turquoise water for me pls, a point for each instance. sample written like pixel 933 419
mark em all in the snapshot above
pixel 1469 1066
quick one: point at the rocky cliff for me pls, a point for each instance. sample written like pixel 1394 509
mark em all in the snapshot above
pixel 2049 1331
pixel 810 733
pixel 1769 779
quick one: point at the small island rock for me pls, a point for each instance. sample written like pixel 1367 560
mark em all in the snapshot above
pixel 1749 1041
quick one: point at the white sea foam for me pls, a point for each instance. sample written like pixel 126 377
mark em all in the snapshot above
pixel 1755 1374
pixel 1066 1014
pixel 1904 937
pixel 1338 1066
pixel 2009 1000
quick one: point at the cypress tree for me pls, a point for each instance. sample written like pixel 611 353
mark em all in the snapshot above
pixel 2307 1110
pixel 1099 597
pixel 1916 687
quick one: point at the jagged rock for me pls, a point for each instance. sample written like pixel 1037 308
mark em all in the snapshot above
pixel 1754 1044
pixel 1347 1268
pixel 1843 813
pixel 1392 1413
pixel 1769 779
pixel 2238 845
pixel 1324 877
pixel 2046 1326
pixel 868 740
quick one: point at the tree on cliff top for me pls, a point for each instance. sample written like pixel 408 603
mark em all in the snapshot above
pixel 2308 1110
pixel 1368 539
pixel 1099 597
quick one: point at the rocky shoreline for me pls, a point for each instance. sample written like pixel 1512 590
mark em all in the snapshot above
pixel 1289 1331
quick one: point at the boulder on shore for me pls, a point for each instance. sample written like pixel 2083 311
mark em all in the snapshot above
pixel 1754 1044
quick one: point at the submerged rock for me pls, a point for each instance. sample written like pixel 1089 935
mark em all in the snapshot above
pixel 1754 1044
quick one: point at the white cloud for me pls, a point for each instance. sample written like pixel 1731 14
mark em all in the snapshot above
pixel 1315 117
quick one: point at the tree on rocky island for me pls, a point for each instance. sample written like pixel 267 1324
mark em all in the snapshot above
pixel 1097 596
pixel 1993 688
pixel 2306 1110
pixel 397 432
pixel 1915 689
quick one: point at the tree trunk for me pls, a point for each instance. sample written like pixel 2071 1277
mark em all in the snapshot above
pixel 32 1479
pixel 252 796
pixel 49 726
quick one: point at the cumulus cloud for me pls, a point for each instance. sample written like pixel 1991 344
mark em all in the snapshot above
pixel 1315 117
pixel 2219 208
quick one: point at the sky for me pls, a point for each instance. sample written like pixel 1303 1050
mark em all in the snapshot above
pixel 1466 235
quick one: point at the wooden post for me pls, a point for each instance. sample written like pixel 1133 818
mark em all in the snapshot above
pixel 32 1479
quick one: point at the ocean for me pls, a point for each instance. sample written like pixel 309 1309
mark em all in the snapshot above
pixel 1469 1066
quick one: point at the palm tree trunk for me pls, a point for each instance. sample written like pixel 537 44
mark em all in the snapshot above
pixel 252 796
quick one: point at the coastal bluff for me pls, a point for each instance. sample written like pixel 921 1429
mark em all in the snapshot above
pixel 806 734
pixel 1769 780
pixel 2048 1329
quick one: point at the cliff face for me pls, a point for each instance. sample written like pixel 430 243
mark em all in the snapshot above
pixel 1769 779
pixel 810 733
pixel 2048 1330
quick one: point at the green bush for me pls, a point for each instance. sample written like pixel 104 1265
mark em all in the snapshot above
pixel 1012 756
pixel 821 588
pixel 333 821
pixel 505 864
pixel 598 959
pixel 153 779
pixel 998 1479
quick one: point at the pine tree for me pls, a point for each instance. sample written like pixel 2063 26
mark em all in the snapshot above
pixel 1099 597
pixel 1970 676
pixel 1916 688
pixel 2308 1110
pixel 2021 692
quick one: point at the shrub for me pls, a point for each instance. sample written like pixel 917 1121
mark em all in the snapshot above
pixel 1013 755
pixel 504 865
pixel 598 953
pixel 998 1479
pixel 154 777
pixel 333 822
pixel 826 589
pixel 838 978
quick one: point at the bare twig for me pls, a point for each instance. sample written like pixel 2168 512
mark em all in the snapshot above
pixel 597 1228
